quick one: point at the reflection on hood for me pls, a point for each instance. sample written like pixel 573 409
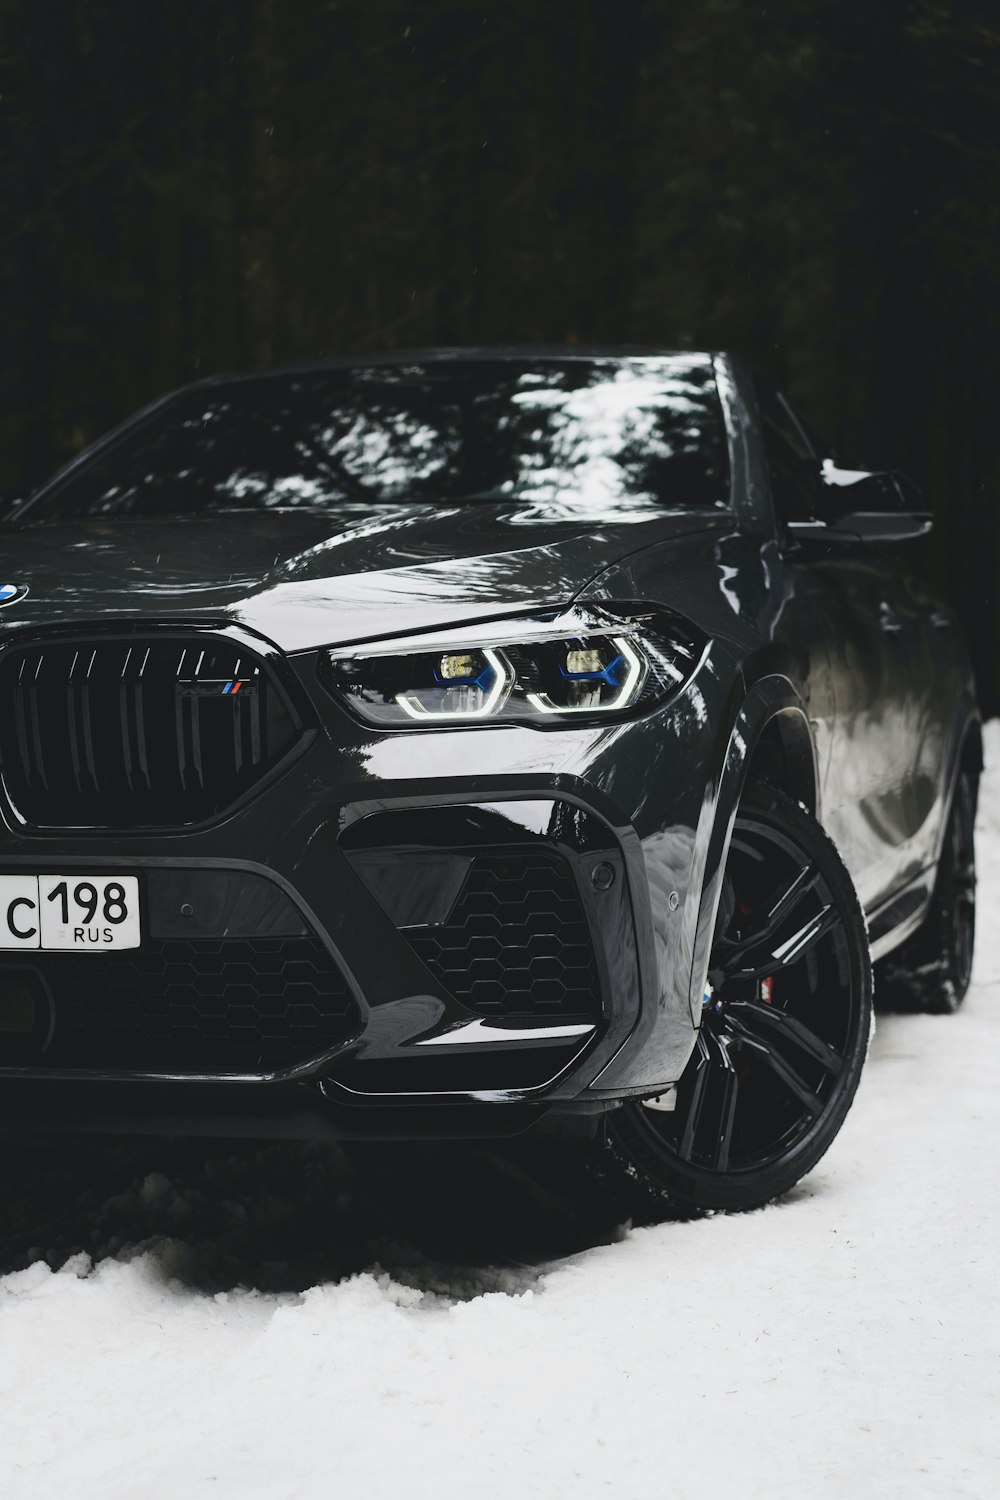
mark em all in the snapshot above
pixel 290 576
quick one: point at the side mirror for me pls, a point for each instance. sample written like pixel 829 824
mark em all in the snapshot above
pixel 858 505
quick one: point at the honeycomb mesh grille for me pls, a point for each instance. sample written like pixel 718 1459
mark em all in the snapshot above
pixel 516 942
pixel 251 1005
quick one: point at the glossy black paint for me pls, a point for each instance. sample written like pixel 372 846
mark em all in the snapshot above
pixel 829 667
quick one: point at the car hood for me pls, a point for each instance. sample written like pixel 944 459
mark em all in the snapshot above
pixel 305 579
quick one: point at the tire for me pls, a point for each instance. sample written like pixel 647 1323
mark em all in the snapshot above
pixel 783 1038
pixel 932 969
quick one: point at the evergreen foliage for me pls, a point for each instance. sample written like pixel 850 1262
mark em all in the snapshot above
pixel 188 188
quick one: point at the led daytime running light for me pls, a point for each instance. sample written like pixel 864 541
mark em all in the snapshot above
pixel 503 679
pixel 633 680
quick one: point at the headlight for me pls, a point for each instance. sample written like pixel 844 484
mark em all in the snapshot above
pixel 534 671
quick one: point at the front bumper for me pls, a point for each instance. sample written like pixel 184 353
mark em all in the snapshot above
pixel 352 867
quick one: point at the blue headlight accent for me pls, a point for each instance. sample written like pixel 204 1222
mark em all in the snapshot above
pixel 604 674
pixel 483 682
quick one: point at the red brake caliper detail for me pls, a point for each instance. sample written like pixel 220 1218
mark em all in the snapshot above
pixel 766 985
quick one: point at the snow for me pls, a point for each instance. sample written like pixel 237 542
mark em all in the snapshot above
pixel 278 1323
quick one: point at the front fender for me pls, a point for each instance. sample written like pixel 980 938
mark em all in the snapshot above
pixel 641 1069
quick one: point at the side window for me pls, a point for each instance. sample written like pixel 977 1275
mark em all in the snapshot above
pixel 791 460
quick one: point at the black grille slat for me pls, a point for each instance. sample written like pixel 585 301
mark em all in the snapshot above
pixel 36 731
pixel 151 732
pixel 212 1006
pixel 126 723
pixel 180 712
pixel 256 738
pixel 140 722
pixel 21 721
pixel 72 727
pixel 183 713
pixel 238 734
pixel 128 731
pixel 196 761
pixel 87 723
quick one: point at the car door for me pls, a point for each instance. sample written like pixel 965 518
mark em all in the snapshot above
pixel 940 675
pixel 867 723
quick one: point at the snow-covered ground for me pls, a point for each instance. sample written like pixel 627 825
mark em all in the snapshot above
pixel 281 1323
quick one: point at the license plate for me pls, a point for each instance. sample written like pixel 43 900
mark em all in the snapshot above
pixel 77 913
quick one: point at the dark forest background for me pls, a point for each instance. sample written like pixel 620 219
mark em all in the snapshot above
pixel 223 184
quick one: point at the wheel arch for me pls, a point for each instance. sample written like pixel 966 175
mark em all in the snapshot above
pixel 771 740
pixel 970 755
pixel 784 756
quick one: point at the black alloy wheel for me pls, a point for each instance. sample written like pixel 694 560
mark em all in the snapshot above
pixel 957 876
pixel 933 969
pixel 784 1029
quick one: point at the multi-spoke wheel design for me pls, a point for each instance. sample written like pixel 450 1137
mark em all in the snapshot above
pixel 784 1025
pixel 960 905
pixel 932 970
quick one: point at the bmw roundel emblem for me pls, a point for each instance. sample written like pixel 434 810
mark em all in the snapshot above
pixel 11 592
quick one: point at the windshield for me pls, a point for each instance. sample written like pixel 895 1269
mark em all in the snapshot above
pixel 577 434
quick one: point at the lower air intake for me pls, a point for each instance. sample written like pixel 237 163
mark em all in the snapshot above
pixel 216 1007
pixel 515 943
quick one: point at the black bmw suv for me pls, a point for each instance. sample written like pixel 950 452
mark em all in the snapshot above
pixel 475 743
